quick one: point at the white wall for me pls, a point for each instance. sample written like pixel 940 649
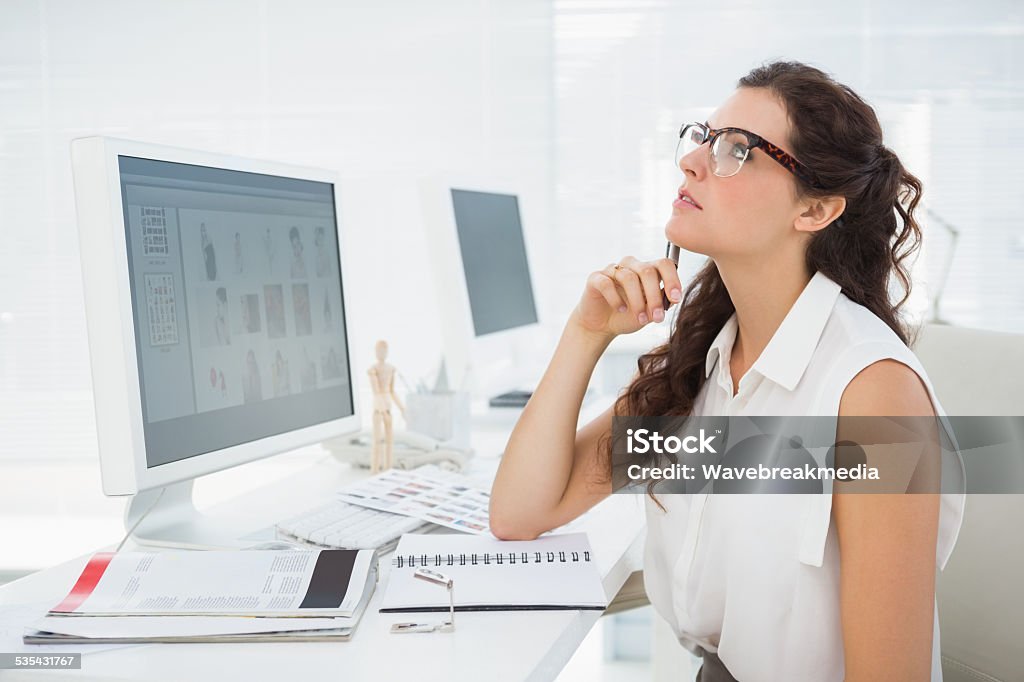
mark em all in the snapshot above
pixel 943 77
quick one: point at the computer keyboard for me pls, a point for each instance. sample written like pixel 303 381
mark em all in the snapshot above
pixel 340 525
pixel 511 399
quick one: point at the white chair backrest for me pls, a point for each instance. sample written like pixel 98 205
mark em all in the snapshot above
pixel 981 591
pixel 973 371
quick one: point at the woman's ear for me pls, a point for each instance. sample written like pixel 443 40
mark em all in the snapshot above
pixel 819 213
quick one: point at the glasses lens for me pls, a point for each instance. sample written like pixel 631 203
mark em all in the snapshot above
pixel 691 137
pixel 728 152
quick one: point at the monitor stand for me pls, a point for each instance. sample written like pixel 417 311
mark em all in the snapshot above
pixel 172 520
pixel 518 398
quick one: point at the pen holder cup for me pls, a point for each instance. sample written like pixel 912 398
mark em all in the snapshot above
pixel 444 416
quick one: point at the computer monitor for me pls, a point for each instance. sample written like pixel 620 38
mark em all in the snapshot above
pixel 486 302
pixel 215 306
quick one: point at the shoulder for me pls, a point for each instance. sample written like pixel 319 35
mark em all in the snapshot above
pixel 877 373
pixel 886 388
pixel 852 324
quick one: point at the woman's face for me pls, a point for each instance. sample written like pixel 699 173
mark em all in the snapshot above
pixel 751 213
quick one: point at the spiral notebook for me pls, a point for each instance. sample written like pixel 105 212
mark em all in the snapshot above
pixel 551 572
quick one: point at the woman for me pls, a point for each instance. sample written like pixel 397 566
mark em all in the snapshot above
pixel 323 262
pixel 209 255
pixel 282 377
pixel 791 193
pixel 252 385
pixel 220 319
pixel 298 259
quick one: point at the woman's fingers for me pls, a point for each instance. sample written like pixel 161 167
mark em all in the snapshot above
pixel 630 283
pixel 649 280
pixel 670 276
pixel 635 286
pixel 652 289
pixel 605 286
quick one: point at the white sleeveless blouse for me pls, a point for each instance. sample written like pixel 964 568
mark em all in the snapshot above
pixel 755 578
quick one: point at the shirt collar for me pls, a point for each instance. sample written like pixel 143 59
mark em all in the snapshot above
pixel 722 345
pixel 789 351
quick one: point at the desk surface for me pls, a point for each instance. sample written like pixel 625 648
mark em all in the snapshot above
pixel 519 645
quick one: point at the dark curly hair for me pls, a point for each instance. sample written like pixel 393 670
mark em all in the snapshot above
pixel 837 135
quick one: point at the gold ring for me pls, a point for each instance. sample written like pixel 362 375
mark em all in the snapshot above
pixel 618 267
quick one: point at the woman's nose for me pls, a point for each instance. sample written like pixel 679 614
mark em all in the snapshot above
pixel 694 163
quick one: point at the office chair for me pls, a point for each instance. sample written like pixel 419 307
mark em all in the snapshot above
pixel 981 591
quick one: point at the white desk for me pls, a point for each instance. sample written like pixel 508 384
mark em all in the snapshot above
pixel 522 645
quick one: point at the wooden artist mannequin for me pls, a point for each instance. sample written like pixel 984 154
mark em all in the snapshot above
pixel 382 381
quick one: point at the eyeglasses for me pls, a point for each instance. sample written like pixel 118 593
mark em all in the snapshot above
pixel 730 147
pixel 445 625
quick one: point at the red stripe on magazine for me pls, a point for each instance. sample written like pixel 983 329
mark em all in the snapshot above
pixel 86 582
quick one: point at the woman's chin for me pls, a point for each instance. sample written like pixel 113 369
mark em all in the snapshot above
pixel 683 234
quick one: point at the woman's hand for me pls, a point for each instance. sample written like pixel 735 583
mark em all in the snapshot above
pixel 625 296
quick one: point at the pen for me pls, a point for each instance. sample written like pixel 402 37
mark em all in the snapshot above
pixel 671 252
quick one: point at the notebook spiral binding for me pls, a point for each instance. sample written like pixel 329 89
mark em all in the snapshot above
pixel 488 559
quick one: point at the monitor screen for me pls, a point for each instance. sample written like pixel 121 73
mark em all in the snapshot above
pixel 494 259
pixel 237 301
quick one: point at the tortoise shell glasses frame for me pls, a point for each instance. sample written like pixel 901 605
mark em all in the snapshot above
pixel 708 134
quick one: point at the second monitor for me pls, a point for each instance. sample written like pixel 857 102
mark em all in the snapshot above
pixel 486 299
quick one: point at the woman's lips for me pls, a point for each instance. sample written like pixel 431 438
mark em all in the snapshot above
pixel 682 203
